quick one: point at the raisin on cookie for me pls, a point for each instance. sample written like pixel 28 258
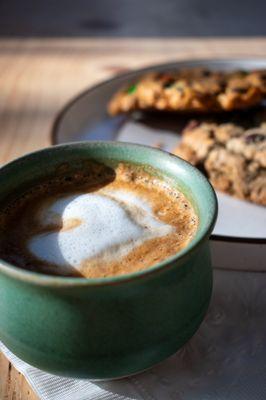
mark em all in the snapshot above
pixel 191 90
pixel 234 159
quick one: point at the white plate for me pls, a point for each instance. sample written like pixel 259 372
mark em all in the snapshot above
pixel 239 238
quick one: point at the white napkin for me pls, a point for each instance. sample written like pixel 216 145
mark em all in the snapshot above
pixel 225 360
pixel 51 387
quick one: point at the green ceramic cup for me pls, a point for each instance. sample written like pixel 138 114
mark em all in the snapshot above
pixel 107 327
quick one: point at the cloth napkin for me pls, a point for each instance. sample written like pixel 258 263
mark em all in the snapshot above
pixel 225 359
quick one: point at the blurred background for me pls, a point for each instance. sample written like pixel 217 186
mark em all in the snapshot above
pixel 124 18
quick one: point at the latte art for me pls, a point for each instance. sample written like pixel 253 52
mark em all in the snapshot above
pixel 96 222
pixel 110 226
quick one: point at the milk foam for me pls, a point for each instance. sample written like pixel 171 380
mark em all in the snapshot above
pixel 112 223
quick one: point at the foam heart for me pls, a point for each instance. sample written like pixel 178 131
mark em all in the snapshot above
pixel 110 223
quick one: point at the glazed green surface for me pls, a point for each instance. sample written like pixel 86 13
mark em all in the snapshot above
pixel 108 327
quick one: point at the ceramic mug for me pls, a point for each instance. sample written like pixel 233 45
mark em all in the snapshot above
pixel 111 327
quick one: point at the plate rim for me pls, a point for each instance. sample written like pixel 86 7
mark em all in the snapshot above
pixel 62 111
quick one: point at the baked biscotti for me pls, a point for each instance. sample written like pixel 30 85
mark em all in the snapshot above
pixel 191 90
pixel 234 159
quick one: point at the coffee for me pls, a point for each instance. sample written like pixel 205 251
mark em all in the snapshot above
pixel 96 222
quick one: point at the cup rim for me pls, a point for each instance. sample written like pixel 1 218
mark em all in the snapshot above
pixel 42 279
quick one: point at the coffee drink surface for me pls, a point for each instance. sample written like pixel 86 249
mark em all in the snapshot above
pixel 97 222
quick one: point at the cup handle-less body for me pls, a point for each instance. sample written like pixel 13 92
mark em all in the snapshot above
pixel 106 332
pixel 115 326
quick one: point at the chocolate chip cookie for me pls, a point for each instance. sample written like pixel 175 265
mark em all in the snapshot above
pixel 233 158
pixel 191 90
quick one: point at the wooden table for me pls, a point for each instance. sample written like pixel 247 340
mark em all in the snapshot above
pixel 37 76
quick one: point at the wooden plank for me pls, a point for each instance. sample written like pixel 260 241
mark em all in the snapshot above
pixel 13 385
pixel 37 76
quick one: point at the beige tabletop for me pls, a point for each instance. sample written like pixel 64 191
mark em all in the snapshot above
pixel 37 76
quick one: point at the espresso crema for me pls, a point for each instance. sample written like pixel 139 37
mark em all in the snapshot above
pixel 96 223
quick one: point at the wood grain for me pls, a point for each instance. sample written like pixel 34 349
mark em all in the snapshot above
pixel 13 385
pixel 37 76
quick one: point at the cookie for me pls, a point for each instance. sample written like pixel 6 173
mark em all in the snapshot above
pixel 252 145
pixel 191 90
pixel 233 158
pixel 231 173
